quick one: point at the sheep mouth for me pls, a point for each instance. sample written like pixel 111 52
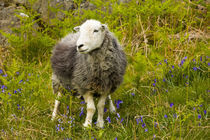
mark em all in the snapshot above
pixel 82 51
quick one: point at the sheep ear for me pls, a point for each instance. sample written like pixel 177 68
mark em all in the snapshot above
pixel 76 28
pixel 103 27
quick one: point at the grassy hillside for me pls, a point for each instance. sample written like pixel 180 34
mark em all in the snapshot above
pixel 165 93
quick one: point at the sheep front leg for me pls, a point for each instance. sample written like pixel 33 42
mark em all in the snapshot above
pixel 90 109
pixel 55 110
pixel 100 107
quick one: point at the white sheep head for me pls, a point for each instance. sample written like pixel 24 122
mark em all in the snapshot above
pixel 91 36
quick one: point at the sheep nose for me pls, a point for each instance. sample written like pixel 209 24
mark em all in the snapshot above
pixel 80 46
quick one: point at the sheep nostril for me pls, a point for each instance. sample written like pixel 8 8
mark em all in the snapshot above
pixel 80 46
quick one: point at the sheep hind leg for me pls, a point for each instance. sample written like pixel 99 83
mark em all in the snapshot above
pixel 55 86
pixel 111 105
pixel 100 107
pixel 55 110
pixel 90 109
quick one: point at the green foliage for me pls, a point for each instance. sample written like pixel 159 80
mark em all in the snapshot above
pixel 166 85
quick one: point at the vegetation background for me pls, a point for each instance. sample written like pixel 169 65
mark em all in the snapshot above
pixel 165 94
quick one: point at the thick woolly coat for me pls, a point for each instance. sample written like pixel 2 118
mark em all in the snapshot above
pixel 100 71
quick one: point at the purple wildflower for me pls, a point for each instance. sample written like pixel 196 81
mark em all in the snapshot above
pixel 4 75
pixel 185 57
pixel 201 58
pixel 115 138
pixel 154 136
pixel 118 115
pixel 60 121
pixel 153 84
pixel 118 102
pixel 17 73
pixel 143 125
pixel 199 116
pixel 57 127
pixel 82 111
pixel 194 60
pixel 82 102
pixel 164 79
pixel 105 109
pixel 3 86
pixel 1 71
pixel 146 130
pixel 137 121
pixel 172 75
pixel 204 112
pixel 9 94
pixel 108 119
pixel 121 120
pixel 165 61
pixel 182 62
pixel 171 104
pixel 208 64
pixel 141 119
pixel 172 66
pixel 15 91
pixel 18 106
pixel 155 80
pixel 201 105
pixel 175 116
pixel 19 90
pixel 133 94
pixel 194 68
pixel 20 81
pixel 156 124
pixel 165 116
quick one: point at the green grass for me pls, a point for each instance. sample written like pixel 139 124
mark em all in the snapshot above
pixel 165 92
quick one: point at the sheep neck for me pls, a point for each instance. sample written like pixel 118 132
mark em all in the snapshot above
pixel 99 55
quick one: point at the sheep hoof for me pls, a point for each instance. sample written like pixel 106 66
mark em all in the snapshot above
pixel 86 125
pixel 100 124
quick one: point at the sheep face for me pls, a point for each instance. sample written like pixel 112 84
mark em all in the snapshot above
pixel 91 36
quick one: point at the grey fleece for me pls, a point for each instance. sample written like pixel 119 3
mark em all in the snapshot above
pixel 100 71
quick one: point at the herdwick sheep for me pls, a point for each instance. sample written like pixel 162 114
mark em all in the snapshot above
pixel 89 62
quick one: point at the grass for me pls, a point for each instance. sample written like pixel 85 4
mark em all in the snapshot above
pixel 166 87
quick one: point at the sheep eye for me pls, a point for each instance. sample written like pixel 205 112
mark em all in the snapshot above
pixel 95 31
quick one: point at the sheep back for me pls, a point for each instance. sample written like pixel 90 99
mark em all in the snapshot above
pixel 64 57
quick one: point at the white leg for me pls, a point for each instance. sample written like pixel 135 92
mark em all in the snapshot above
pixel 57 103
pixel 100 107
pixel 90 109
pixel 111 105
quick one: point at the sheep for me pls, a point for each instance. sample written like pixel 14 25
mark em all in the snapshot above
pixel 89 62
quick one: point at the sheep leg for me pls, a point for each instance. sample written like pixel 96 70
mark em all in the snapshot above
pixel 100 107
pixel 55 86
pixel 57 103
pixel 111 105
pixel 90 109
